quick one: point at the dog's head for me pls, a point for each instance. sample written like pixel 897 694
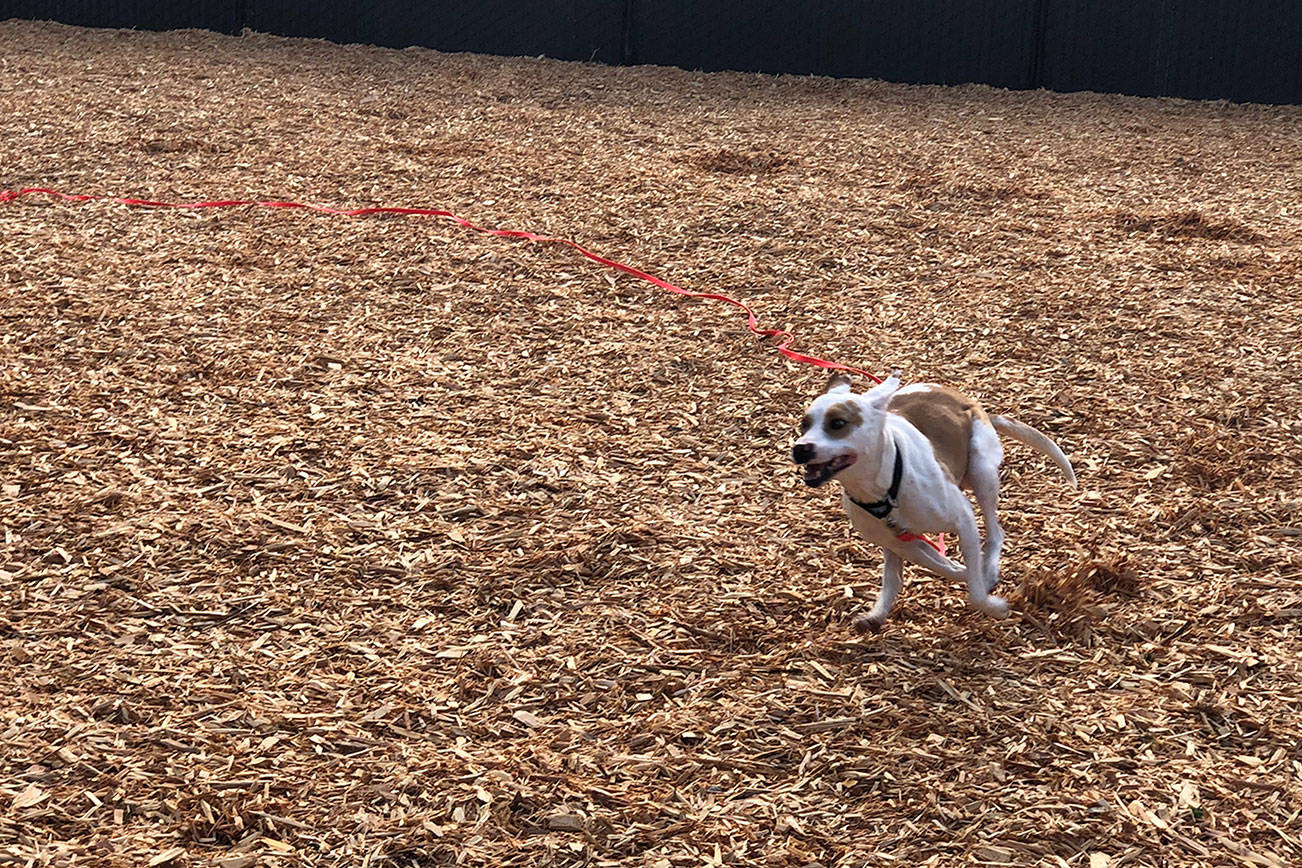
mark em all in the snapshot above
pixel 840 427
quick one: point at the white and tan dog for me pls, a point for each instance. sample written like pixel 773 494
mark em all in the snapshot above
pixel 904 458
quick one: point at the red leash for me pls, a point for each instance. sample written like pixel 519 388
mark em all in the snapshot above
pixel 785 338
pixel 752 322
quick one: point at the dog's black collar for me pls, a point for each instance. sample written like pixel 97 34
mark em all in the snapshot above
pixel 882 508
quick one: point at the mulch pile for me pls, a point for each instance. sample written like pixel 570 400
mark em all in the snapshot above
pixel 377 542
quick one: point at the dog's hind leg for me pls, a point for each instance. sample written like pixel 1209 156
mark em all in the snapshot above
pixel 892 581
pixel 969 540
pixel 986 453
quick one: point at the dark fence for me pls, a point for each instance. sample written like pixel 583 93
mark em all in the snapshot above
pixel 564 29
pixel 222 15
pixel 1246 50
pixel 929 41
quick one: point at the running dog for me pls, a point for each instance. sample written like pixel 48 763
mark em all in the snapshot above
pixel 904 457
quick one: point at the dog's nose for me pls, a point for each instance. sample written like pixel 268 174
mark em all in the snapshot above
pixel 802 453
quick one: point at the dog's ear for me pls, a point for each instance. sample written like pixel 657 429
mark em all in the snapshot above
pixel 838 382
pixel 878 395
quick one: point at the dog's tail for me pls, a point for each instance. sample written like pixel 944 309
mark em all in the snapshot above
pixel 1028 436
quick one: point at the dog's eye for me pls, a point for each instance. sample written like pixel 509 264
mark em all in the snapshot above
pixel 836 424
pixel 805 423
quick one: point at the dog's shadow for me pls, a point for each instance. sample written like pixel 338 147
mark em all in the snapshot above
pixel 1064 611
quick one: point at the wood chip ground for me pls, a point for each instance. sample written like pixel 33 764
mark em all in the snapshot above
pixel 376 542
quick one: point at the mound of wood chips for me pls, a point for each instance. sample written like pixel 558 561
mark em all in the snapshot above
pixel 375 542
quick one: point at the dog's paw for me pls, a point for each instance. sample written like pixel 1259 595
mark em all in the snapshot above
pixel 995 607
pixel 868 623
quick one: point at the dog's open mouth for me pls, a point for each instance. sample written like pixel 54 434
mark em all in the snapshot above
pixel 818 473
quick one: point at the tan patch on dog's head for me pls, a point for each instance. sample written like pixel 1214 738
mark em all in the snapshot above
pixel 841 419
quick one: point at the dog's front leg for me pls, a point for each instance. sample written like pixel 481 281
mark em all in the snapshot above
pixel 892 581
pixel 978 595
pixel 923 555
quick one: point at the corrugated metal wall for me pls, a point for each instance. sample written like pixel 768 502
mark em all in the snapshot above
pixel 924 41
pixel 564 29
pixel 1247 50
pixel 225 16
